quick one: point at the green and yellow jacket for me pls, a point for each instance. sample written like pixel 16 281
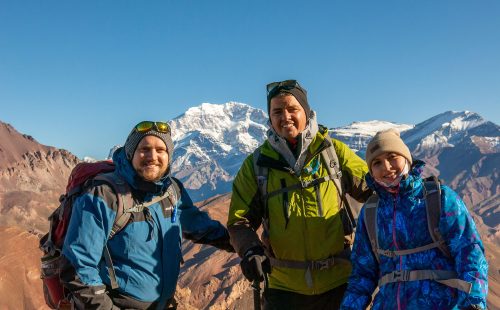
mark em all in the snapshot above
pixel 301 225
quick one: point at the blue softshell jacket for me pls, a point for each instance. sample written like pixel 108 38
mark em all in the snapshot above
pixel 402 224
pixel 147 253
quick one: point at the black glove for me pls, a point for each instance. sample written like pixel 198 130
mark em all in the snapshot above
pixel 255 264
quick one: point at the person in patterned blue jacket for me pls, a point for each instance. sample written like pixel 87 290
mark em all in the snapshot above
pixel 401 223
pixel 146 253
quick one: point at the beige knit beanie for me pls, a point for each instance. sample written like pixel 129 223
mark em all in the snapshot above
pixel 386 141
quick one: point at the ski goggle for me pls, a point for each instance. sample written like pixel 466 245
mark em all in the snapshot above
pixel 287 84
pixel 148 125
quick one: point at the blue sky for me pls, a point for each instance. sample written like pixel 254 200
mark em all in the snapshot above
pixel 79 74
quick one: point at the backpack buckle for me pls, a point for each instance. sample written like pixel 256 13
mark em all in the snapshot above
pixel 305 184
pixel 387 253
pixel 321 264
pixel 401 275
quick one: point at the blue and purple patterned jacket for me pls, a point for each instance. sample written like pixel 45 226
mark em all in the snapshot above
pixel 402 224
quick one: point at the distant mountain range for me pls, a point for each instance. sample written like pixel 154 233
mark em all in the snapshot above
pixel 211 141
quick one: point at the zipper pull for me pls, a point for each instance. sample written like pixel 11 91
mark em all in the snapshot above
pixel 174 214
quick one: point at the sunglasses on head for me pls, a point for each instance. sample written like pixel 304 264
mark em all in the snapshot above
pixel 287 84
pixel 148 125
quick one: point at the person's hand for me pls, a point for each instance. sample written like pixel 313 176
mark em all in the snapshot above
pixel 255 264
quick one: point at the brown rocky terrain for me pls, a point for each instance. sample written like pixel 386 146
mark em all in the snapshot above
pixel 32 177
pixel 20 285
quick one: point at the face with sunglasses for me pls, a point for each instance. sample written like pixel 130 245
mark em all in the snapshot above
pixel 151 158
pixel 287 116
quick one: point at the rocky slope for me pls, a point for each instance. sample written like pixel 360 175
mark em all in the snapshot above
pixel 32 176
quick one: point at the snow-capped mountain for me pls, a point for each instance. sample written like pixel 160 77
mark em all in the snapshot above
pixel 358 134
pixel 211 141
pixel 447 130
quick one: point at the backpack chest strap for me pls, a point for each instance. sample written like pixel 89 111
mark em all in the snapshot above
pixel 327 263
pixel 301 185
pixel 446 277
pixel 390 253
pixel 124 217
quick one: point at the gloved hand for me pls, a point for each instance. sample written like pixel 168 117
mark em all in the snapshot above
pixel 255 264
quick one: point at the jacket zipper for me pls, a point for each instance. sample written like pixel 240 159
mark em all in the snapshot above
pixel 396 245
pixel 309 273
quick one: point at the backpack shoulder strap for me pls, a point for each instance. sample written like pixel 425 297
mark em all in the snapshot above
pixel 432 192
pixel 125 201
pixel 261 173
pixel 370 221
pixel 174 192
pixel 335 173
pixel 333 166
pixel 125 207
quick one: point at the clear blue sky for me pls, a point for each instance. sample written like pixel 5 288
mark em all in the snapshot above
pixel 79 74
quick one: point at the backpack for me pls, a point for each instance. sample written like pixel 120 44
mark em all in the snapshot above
pixel 432 196
pixel 81 178
pixel 348 214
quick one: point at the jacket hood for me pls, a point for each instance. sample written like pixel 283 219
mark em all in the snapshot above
pixel 408 184
pixel 279 143
pixel 126 170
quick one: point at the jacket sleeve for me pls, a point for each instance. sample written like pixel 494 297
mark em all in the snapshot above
pixel 354 170
pixel 197 225
pixel 459 231
pixel 365 269
pixel 245 212
pixel 90 223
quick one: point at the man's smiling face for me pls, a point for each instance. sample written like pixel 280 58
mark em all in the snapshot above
pixel 288 118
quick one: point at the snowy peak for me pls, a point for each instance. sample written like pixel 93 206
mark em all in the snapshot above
pixel 228 125
pixel 369 128
pixel 211 141
pixel 446 130
pixel 358 134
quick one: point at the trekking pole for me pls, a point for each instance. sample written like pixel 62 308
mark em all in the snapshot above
pixel 256 294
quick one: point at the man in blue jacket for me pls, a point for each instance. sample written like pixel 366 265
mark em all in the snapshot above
pixel 146 253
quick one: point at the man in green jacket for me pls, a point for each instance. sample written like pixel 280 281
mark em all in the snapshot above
pixel 287 186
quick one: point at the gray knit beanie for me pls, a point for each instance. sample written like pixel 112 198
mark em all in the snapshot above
pixel 384 142
pixel 297 91
pixel 135 137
